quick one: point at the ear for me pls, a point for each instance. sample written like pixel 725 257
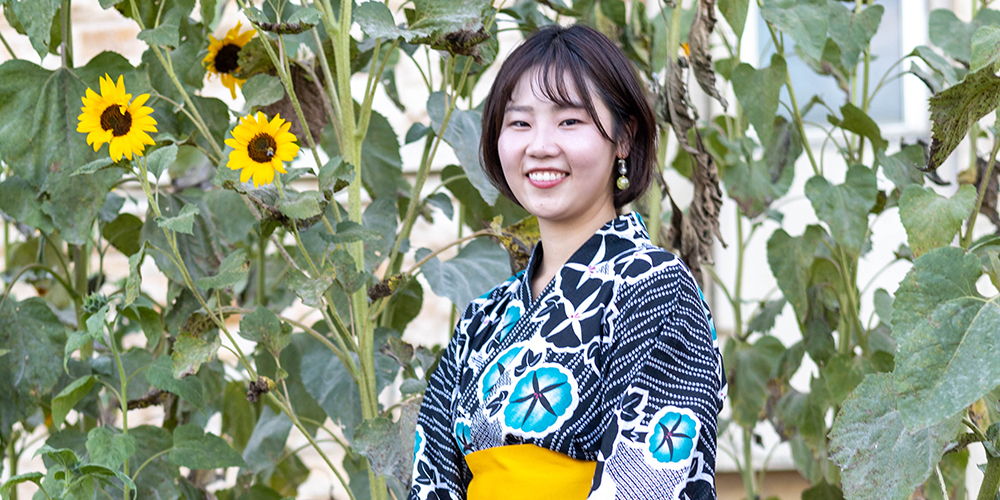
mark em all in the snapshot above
pixel 625 144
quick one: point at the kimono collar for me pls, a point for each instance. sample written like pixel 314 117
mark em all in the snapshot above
pixel 622 234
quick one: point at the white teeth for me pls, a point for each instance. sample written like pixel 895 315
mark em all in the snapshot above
pixel 546 176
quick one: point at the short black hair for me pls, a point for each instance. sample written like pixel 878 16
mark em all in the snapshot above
pixel 589 57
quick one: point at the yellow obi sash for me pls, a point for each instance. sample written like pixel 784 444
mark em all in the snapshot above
pixel 527 472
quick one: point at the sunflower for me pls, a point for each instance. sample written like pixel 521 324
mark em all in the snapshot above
pixel 223 56
pixel 261 147
pixel 110 118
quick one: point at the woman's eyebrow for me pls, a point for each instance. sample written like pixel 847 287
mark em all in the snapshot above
pixel 518 109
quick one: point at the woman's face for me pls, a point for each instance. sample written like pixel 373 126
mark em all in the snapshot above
pixel 554 158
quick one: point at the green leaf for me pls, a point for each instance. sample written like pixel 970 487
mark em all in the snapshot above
pixel 182 222
pixel 134 275
pixel 346 271
pixel 329 383
pixel 735 12
pixel 108 448
pixel 336 174
pixel 479 266
pixel 207 9
pixel 94 166
pixel 947 338
pixel 34 477
pixel 903 168
pixel 756 185
pixel 123 233
pixel 860 123
pixel 936 62
pixel 262 89
pixel 349 232
pixel 197 449
pixel 34 337
pixel 931 220
pixel 954 36
pixel 161 160
pixel 166 34
pixel 763 320
pixel 301 205
pixel 878 455
pixel 844 208
pixel 267 443
pixel 758 92
pixel 198 250
pixel 883 305
pixel 804 20
pixel 986 48
pixel 477 213
pixel 190 352
pixel 843 373
pixel 375 20
pixel 65 457
pixel 160 478
pixel 749 368
pixel 823 491
pixel 69 397
pixel 36 17
pixel 853 31
pixel 954 110
pixel 311 291
pixel 234 268
pixel 263 326
pixel 462 134
pixel 791 260
pixel 388 445
pixel 19 201
pixel 161 375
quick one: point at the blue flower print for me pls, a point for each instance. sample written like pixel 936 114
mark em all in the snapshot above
pixel 673 438
pixel 463 435
pixel 418 439
pixel 510 318
pixel 497 369
pixel 539 399
pixel 708 314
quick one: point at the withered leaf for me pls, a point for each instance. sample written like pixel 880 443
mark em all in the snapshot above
pixel 701 58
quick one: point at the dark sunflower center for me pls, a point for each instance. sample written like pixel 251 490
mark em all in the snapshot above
pixel 112 119
pixel 227 59
pixel 261 148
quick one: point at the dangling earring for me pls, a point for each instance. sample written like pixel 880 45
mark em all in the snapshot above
pixel 622 181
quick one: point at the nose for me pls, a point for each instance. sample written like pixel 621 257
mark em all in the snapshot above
pixel 541 143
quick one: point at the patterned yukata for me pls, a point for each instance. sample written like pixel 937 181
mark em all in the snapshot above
pixel 616 362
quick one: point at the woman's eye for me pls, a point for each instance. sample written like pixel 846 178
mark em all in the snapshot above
pixel 518 123
pixel 571 121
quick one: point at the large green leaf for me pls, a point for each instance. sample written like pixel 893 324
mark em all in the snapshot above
pixel 954 36
pixel 262 89
pixel 267 443
pixel 34 338
pixel 19 201
pixel 735 12
pixel 931 220
pixel 381 164
pixel 388 445
pixel 108 448
pixel 305 405
pixel 986 48
pixel 903 167
pixel 857 121
pixel 954 110
pixel 878 455
pixel 758 92
pixel 232 270
pixel 853 31
pixel 844 207
pixel 124 233
pixel 947 336
pixel 479 266
pixel 36 17
pixel 329 383
pixel 791 259
pixel 748 369
pixel 197 449
pixel 803 20
pixel 477 212
pixel 190 352
pixel 161 375
pixel 160 478
pixel 263 326
pixel 757 184
pixel 462 134
pixel 67 398
pixel 199 250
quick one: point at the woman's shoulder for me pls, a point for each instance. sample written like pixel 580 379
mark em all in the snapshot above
pixel 491 297
pixel 648 268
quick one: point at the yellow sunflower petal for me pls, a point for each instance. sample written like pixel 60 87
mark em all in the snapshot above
pixel 230 83
pixel 264 174
pixel 276 164
pixel 246 174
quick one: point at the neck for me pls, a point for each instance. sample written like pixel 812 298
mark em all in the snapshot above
pixel 560 240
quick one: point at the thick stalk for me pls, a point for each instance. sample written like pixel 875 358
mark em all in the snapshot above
pixel 14 456
pixel 81 261
pixel 747 470
pixel 984 184
pixel 262 271
pixel 66 26
pixel 991 479
pixel 396 260
pixel 738 287
pixel 123 398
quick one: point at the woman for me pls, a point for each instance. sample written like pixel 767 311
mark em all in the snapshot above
pixel 595 373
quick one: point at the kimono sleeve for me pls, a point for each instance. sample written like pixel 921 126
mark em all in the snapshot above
pixel 664 389
pixel 439 468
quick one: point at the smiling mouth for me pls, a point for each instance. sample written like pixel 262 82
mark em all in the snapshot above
pixel 546 176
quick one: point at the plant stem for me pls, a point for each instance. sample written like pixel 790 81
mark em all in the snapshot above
pixel 261 270
pixel 984 184
pixel 123 397
pixel 738 287
pixel 747 469
pixel 14 456
pixel 12 56
pixel 66 26
pixel 991 479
